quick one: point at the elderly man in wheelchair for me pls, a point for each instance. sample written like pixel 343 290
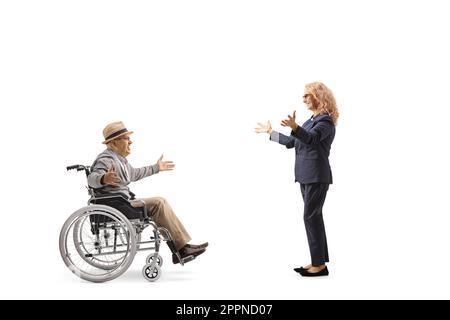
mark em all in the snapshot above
pixel 98 242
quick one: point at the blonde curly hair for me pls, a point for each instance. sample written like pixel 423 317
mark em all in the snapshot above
pixel 326 104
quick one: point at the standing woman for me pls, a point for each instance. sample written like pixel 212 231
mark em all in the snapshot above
pixel 312 142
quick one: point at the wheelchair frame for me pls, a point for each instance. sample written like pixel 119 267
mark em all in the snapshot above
pixel 113 240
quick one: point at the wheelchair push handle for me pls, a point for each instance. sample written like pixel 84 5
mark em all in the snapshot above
pixel 80 167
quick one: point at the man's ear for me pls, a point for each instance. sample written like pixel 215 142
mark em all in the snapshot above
pixel 111 145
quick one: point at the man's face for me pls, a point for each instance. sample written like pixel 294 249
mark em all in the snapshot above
pixel 122 145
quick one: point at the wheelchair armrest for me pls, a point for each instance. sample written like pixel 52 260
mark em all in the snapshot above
pixel 144 206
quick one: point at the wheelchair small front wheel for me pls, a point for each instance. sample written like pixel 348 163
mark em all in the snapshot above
pixel 151 273
pixel 159 259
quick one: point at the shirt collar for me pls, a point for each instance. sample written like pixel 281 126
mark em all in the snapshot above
pixel 319 117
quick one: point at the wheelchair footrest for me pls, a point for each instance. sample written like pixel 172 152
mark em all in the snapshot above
pixel 187 259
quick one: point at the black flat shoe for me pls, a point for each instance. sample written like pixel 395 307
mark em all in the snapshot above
pixel 299 269
pixel 306 273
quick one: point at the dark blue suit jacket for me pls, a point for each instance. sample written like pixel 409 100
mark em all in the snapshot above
pixel 312 142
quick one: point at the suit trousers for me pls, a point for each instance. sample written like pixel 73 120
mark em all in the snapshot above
pixel 313 198
pixel 160 211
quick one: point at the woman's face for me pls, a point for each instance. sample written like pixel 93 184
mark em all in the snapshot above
pixel 309 101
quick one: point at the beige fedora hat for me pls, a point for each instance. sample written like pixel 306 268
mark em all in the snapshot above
pixel 114 130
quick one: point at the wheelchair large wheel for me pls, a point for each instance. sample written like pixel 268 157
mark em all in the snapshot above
pixel 97 243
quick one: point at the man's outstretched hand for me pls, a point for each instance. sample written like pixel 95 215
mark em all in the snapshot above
pixel 165 165
pixel 110 177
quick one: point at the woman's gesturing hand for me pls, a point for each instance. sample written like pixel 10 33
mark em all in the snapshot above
pixel 264 128
pixel 290 122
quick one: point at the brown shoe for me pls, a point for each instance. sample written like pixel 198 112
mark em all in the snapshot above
pixel 197 246
pixel 185 252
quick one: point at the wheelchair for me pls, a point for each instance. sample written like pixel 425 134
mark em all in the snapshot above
pixel 99 242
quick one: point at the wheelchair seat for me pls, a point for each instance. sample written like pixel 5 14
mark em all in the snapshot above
pixel 123 205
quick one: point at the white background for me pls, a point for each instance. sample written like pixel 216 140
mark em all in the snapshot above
pixel 192 78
